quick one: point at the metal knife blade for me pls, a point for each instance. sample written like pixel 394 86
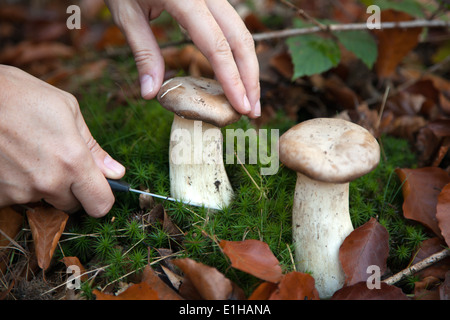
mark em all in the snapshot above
pixel 122 186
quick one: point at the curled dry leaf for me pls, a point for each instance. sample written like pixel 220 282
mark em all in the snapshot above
pixel 47 225
pixel 164 291
pixel 203 282
pixel 364 246
pixel 253 257
pixel 421 188
pixel 443 213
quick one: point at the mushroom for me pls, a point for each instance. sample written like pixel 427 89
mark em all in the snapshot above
pixel 197 171
pixel 327 154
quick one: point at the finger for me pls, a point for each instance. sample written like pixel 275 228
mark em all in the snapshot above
pixel 93 192
pixel 196 18
pixel 243 49
pixel 90 186
pixel 147 55
pixel 64 201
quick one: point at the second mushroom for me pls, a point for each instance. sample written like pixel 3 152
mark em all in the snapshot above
pixel 197 171
pixel 327 154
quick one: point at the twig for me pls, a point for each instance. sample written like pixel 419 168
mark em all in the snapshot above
pixel 418 266
pixel 350 27
pixel 385 96
pixel 306 16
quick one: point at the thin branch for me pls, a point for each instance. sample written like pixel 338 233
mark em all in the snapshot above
pixel 350 27
pixel 418 266
pixel 305 15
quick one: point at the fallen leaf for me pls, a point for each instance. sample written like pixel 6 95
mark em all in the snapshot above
pixel 10 225
pixel 47 225
pixel 263 291
pixel 296 286
pixel 360 291
pixel 443 213
pixel 203 281
pixel 253 257
pixel 421 188
pixel 444 290
pixel 427 248
pixel 139 291
pixel 427 289
pixel 394 44
pixel 163 290
pixel 365 246
pixel 70 261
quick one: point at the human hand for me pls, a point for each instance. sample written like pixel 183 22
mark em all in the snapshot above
pixel 214 27
pixel 47 151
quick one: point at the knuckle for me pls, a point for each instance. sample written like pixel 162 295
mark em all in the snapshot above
pixel 246 40
pixel 222 47
pixel 102 207
pixel 143 56
pixel 73 159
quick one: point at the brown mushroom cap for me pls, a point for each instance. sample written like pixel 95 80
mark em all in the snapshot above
pixel 197 98
pixel 329 150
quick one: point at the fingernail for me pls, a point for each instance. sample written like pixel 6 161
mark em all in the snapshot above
pixel 247 106
pixel 147 85
pixel 113 165
pixel 258 109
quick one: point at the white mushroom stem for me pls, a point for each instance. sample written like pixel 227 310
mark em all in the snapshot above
pixel 321 222
pixel 197 171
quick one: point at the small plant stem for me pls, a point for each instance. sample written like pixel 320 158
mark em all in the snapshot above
pixel 418 266
pixel 306 16
pixel 350 27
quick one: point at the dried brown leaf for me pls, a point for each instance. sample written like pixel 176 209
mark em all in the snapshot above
pixel 426 249
pixel 427 289
pixel 164 291
pixel 394 44
pixel 443 213
pixel 421 188
pixel 207 282
pixel 365 246
pixel 253 257
pixel 296 286
pixel 10 225
pixel 47 225
pixel 263 291
pixel 360 291
pixel 69 261
pixel 139 291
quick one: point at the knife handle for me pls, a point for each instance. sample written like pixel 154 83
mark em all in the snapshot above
pixel 118 185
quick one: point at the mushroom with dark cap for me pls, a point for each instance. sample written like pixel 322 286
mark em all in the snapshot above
pixel 197 171
pixel 326 154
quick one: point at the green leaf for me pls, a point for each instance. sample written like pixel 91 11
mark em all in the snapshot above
pixel 312 54
pixel 361 43
pixel 411 7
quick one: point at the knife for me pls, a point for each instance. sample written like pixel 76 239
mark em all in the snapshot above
pixel 123 186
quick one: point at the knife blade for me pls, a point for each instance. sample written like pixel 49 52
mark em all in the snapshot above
pixel 123 186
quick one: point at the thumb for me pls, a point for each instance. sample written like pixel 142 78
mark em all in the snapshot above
pixel 108 166
pixel 147 55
